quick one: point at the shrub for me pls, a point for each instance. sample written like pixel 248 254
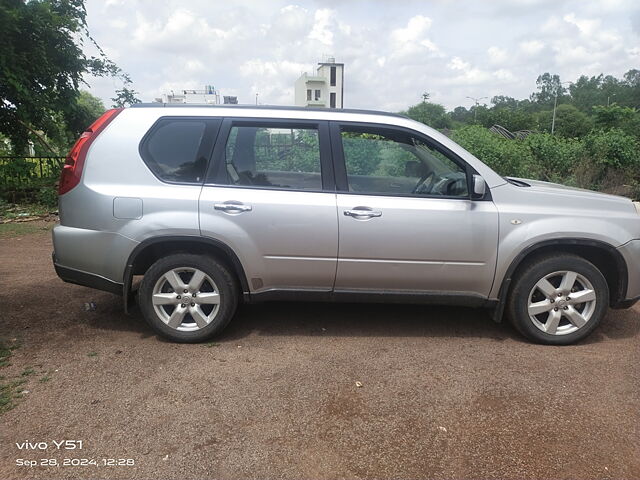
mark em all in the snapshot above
pixel 553 158
pixel 507 157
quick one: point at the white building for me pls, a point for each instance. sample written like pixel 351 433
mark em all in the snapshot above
pixel 208 96
pixel 324 89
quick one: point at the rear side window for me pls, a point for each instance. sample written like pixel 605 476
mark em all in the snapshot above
pixel 282 157
pixel 175 149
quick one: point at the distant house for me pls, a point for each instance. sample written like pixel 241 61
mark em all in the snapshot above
pixel 208 96
pixel 324 89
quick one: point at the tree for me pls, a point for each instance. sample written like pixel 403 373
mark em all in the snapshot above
pixel 430 114
pixel 570 122
pixel 548 85
pixel 83 113
pixel 125 96
pixel 42 65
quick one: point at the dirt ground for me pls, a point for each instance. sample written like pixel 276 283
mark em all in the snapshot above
pixel 445 393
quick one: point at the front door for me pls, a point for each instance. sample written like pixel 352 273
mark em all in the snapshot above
pixel 270 197
pixel 406 219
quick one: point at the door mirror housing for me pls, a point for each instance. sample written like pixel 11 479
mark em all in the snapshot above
pixel 479 187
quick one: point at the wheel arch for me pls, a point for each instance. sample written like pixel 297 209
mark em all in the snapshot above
pixel 150 250
pixel 603 255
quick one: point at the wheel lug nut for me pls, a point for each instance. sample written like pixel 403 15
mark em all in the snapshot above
pixel 186 291
pixel 566 308
pixel 559 295
pixel 184 305
pixel 179 297
pixel 552 300
pixel 193 304
pixel 568 298
pixel 555 309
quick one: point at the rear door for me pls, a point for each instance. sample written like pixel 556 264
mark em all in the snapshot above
pixel 270 196
pixel 406 220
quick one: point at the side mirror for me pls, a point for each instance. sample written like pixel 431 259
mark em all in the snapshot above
pixel 479 187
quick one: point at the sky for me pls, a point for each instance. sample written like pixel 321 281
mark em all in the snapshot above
pixel 393 50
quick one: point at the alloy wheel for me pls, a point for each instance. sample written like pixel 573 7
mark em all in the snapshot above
pixel 561 303
pixel 186 299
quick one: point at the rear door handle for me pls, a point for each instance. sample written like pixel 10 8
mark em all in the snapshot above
pixel 362 213
pixel 232 207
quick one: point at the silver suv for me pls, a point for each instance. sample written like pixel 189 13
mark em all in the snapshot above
pixel 216 205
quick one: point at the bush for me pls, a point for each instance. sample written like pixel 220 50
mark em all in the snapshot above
pixel 507 157
pixel 553 158
pixel 613 149
pixel 47 196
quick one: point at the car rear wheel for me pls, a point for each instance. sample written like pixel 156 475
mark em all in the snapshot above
pixel 558 299
pixel 188 298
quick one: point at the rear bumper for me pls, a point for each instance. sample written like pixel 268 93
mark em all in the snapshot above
pixel 85 279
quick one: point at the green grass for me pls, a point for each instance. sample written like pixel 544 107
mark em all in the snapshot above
pixel 5 353
pixel 45 379
pixel 211 344
pixel 10 390
pixel 17 210
pixel 92 354
pixel 17 229
pixel 27 372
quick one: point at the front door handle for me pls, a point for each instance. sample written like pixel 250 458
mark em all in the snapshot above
pixel 362 213
pixel 232 207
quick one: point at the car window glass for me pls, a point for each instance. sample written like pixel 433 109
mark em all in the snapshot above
pixel 171 150
pixel 274 157
pixel 389 162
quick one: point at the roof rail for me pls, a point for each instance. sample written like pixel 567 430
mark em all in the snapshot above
pixel 263 107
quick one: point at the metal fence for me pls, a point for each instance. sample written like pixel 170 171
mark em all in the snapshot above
pixel 23 170
pixel 21 178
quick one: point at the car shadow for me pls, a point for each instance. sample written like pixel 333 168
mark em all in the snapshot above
pixel 363 319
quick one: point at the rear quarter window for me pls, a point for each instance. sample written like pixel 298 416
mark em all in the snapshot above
pixel 175 149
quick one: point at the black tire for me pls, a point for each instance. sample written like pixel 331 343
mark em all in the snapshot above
pixel 227 288
pixel 536 270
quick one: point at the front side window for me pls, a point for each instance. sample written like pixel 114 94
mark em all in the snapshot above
pixel 171 150
pixel 280 157
pixel 309 94
pixel 317 96
pixel 389 162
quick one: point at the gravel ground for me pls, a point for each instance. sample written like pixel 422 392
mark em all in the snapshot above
pixel 445 393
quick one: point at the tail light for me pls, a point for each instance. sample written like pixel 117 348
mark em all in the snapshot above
pixel 73 164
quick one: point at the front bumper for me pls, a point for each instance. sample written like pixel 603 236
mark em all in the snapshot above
pixel 630 251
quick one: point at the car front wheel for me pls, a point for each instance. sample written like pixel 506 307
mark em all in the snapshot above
pixel 188 298
pixel 558 299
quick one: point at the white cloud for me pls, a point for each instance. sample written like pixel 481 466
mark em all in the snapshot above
pixel 457 63
pixel 321 31
pixel 531 47
pixel 587 26
pixel 497 55
pixel 393 51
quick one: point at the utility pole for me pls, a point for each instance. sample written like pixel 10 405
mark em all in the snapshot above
pixel 256 98
pixel 555 103
pixel 475 110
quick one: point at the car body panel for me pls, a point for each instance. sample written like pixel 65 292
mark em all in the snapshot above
pixel 288 239
pixel 417 244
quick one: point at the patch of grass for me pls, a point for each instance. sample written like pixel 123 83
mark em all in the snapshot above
pixel 45 379
pixel 28 371
pixel 211 344
pixel 9 392
pixel 92 354
pixel 5 352
pixel 17 210
pixel 17 229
